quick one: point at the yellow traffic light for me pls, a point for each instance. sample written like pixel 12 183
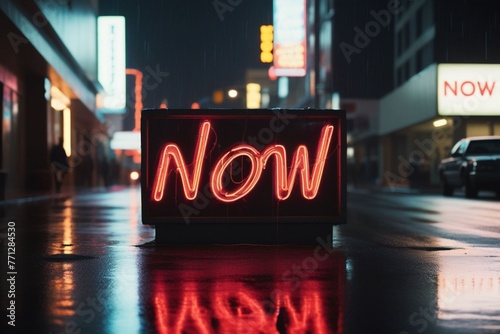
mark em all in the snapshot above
pixel 266 43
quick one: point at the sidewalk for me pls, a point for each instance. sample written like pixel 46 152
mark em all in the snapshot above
pixel 19 196
pixel 374 188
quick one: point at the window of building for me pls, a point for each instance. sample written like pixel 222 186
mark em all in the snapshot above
pixel 400 43
pixel 399 78
pixel 419 22
pixel 407 70
pixel 419 61
pixel 407 37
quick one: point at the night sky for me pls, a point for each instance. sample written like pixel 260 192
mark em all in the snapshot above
pixel 201 49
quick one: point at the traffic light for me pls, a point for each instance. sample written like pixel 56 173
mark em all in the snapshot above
pixel 266 43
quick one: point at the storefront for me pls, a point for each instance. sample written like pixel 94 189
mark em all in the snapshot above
pixel 421 120
pixel 48 92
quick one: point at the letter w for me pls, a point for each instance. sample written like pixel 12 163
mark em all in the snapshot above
pixel 486 87
pixel 300 162
pixel 172 155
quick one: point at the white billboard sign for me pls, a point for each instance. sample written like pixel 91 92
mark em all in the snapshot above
pixel 111 63
pixel 126 140
pixel 290 43
pixel 468 89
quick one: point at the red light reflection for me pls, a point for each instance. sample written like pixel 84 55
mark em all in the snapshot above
pixel 233 301
pixel 237 308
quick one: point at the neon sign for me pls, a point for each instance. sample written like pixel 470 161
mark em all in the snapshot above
pixel 243 165
pixel 283 184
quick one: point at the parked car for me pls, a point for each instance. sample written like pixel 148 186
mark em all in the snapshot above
pixel 474 163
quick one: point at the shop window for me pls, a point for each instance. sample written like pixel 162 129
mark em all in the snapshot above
pixel 496 129
pixel 477 129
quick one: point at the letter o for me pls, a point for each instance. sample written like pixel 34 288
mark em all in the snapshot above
pixel 217 174
pixel 370 32
pixel 414 154
pixel 471 84
pixel 39 20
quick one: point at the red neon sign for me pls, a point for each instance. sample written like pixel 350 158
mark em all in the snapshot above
pixel 172 158
pixel 230 165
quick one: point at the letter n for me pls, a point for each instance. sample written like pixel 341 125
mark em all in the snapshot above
pixel 172 155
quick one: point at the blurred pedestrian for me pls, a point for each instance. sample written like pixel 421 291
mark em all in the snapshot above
pixel 59 162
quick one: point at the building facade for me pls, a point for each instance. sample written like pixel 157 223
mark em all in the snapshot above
pixel 48 80
pixel 445 75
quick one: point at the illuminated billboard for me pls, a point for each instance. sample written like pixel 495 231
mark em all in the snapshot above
pixel 111 63
pixel 468 89
pixel 243 166
pixel 290 43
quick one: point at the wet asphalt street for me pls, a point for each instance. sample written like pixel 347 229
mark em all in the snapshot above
pixel 404 263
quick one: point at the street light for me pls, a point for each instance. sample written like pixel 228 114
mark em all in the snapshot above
pixel 232 93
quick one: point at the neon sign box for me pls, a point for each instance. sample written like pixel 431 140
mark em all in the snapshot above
pixel 242 172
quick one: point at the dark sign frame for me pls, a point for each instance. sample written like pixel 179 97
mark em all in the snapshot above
pixel 258 128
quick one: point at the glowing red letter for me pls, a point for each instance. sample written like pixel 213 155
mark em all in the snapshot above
pixel 172 153
pixel 250 182
pixel 309 184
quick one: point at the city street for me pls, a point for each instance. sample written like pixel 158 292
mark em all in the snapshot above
pixel 403 263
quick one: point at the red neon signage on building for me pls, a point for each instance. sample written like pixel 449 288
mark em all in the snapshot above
pixel 259 166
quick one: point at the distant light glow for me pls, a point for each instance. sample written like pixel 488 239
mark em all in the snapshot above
pixel 67 131
pixel 58 100
pixel 138 96
pixel 253 96
pixel 134 176
pixel 266 43
pixel 272 73
pixel 126 140
pixel 440 123
pixel 232 93
pixel 283 87
pixel 336 100
pixel 350 153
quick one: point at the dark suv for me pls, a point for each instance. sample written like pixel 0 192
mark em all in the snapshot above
pixel 474 164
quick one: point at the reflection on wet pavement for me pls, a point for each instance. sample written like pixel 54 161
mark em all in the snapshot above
pixel 88 265
pixel 221 290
